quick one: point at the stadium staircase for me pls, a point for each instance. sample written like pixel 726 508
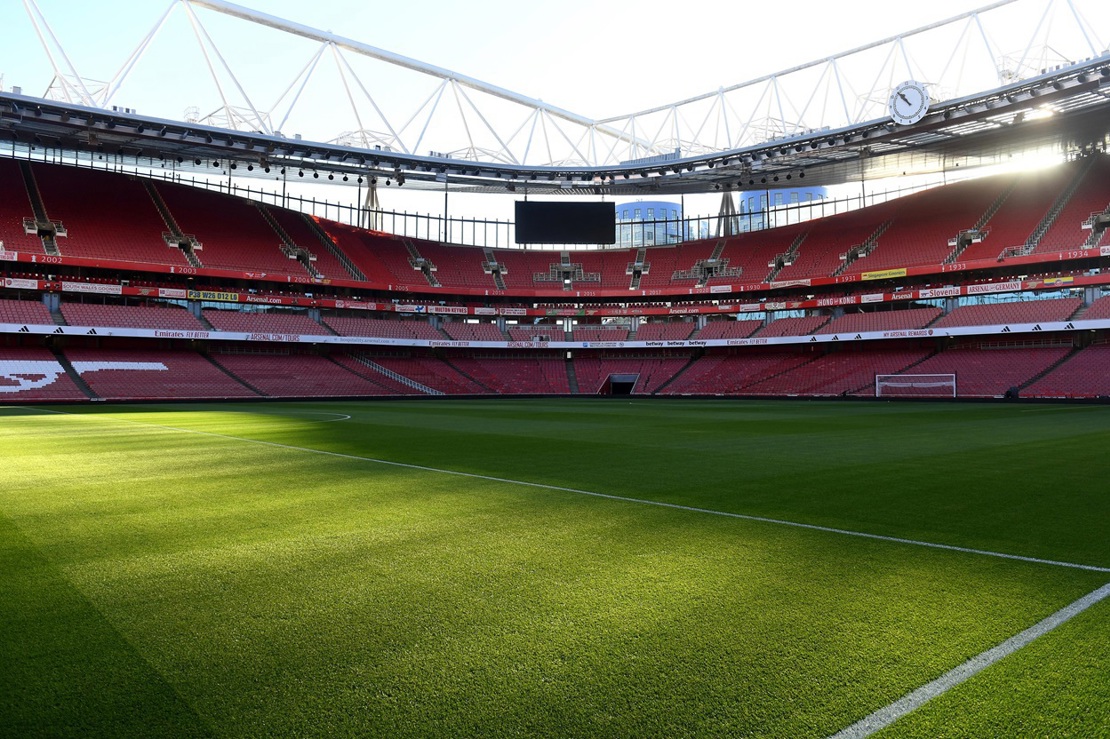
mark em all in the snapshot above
pixel 288 247
pixel 493 268
pixel 862 250
pixel 73 374
pixel 1062 199
pixel 40 225
pixel 698 354
pixel 367 362
pixel 1047 370
pixel 465 374
pixel 228 372
pixel 638 268
pixel 787 257
pixel 572 378
pixel 327 242
pixel 1098 222
pixel 978 231
pixel 174 237
pixel 418 262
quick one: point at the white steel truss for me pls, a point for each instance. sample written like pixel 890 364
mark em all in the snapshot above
pixel 455 116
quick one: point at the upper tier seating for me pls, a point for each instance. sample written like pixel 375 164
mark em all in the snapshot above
pixel 755 252
pixel 24 311
pixel 1093 196
pixel 922 224
pixel 363 249
pixel 293 223
pixel 15 205
pixel 457 266
pixel 664 261
pixel 997 314
pixel 1020 213
pixel 232 233
pixel 819 254
pixel 106 216
pixel 130 316
pixel 262 323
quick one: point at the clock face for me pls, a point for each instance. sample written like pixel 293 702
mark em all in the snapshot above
pixel 909 103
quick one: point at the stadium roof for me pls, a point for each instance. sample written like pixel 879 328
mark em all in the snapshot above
pixel 1062 107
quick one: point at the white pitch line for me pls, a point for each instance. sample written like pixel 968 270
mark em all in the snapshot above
pixel 887 715
pixel 620 498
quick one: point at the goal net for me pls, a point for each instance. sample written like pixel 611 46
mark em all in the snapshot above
pixel 915 386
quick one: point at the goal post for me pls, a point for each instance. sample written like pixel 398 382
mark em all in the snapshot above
pixel 915 386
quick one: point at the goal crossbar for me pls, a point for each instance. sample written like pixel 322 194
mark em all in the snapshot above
pixel 915 386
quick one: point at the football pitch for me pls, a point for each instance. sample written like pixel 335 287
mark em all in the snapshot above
pixel 555 568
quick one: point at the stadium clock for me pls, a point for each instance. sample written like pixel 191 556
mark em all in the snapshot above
pixel 909 102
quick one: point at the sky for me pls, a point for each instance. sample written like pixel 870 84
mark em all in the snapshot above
pixel 594 58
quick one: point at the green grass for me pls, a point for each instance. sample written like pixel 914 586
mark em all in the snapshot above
pixel 160 578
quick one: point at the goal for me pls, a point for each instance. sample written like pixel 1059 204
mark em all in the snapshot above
pixel 915 386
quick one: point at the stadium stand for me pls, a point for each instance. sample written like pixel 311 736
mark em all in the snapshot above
pixel 724 329
pixel 1083 375
pixel 538 373
pixel 599 333
pixel 24 311
pixel 721 373
pixel 665 331
pixel 839 373
pixel 231 231
pixel 1014 222
pixel 460 331
pixel 997 314
pixel 1092 196
pixel 143 374
pixel 650 372
pixel 295 375
pixel 170 317
pixel 432 372
pixel 991 371
pixel 15 205
pixel 792 326
pixel 537 333
pixel 262 323
pixel 34 374
pixel 106 216
pixel 887 320
pixel 384 328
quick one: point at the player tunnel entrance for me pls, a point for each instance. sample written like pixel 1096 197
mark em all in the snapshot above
pixel 619 384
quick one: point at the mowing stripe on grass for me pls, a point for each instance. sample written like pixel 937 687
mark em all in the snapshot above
pixel 610 496
pixel 889 714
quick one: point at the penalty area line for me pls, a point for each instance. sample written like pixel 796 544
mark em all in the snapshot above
pixel 887 715
pixel 619 498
